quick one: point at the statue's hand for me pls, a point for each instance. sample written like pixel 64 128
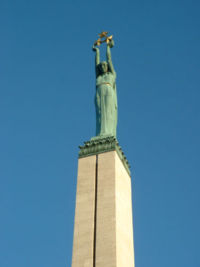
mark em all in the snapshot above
pixel 111 43
pixel 94 48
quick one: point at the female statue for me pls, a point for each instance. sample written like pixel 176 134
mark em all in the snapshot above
pixel 106 94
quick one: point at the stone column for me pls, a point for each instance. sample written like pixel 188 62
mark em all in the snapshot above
pixel 103 229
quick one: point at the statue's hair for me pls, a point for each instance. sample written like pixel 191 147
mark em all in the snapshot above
pixel 98 67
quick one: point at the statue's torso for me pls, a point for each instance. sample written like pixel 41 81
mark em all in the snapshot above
pixel 105 78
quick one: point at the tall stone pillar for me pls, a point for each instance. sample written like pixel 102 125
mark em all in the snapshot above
pixel 103 228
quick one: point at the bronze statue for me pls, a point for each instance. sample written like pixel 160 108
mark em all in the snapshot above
pixel 106 93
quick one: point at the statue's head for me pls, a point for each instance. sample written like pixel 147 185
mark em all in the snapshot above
pixel 103 67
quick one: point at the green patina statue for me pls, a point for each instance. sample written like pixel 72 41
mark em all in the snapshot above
pixel 106 106
pixel 106 94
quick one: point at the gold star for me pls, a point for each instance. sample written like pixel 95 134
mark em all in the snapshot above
pixel 103 34
pixel 98 42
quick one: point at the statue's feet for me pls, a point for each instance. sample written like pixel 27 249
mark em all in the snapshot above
pixel 101 136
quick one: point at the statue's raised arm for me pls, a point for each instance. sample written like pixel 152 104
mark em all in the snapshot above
pixel 97 58
pixel 110 44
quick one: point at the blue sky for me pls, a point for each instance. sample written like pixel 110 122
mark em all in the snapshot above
pixel 47 87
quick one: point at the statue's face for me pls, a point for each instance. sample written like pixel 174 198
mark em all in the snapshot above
pixel 103 67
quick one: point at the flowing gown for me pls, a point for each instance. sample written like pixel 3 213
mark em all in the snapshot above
pixel 106 105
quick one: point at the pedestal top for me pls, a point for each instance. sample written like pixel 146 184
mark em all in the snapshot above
pixel 101 145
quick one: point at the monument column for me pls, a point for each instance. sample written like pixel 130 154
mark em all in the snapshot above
pixel 103 227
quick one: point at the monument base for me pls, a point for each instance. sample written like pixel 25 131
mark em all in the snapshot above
pixel 103 228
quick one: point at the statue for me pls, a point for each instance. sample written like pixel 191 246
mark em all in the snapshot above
pixel 106 94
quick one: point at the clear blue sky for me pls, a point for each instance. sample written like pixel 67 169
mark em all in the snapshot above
pixel 47 110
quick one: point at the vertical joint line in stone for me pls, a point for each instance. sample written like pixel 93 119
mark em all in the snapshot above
pixel 95 211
